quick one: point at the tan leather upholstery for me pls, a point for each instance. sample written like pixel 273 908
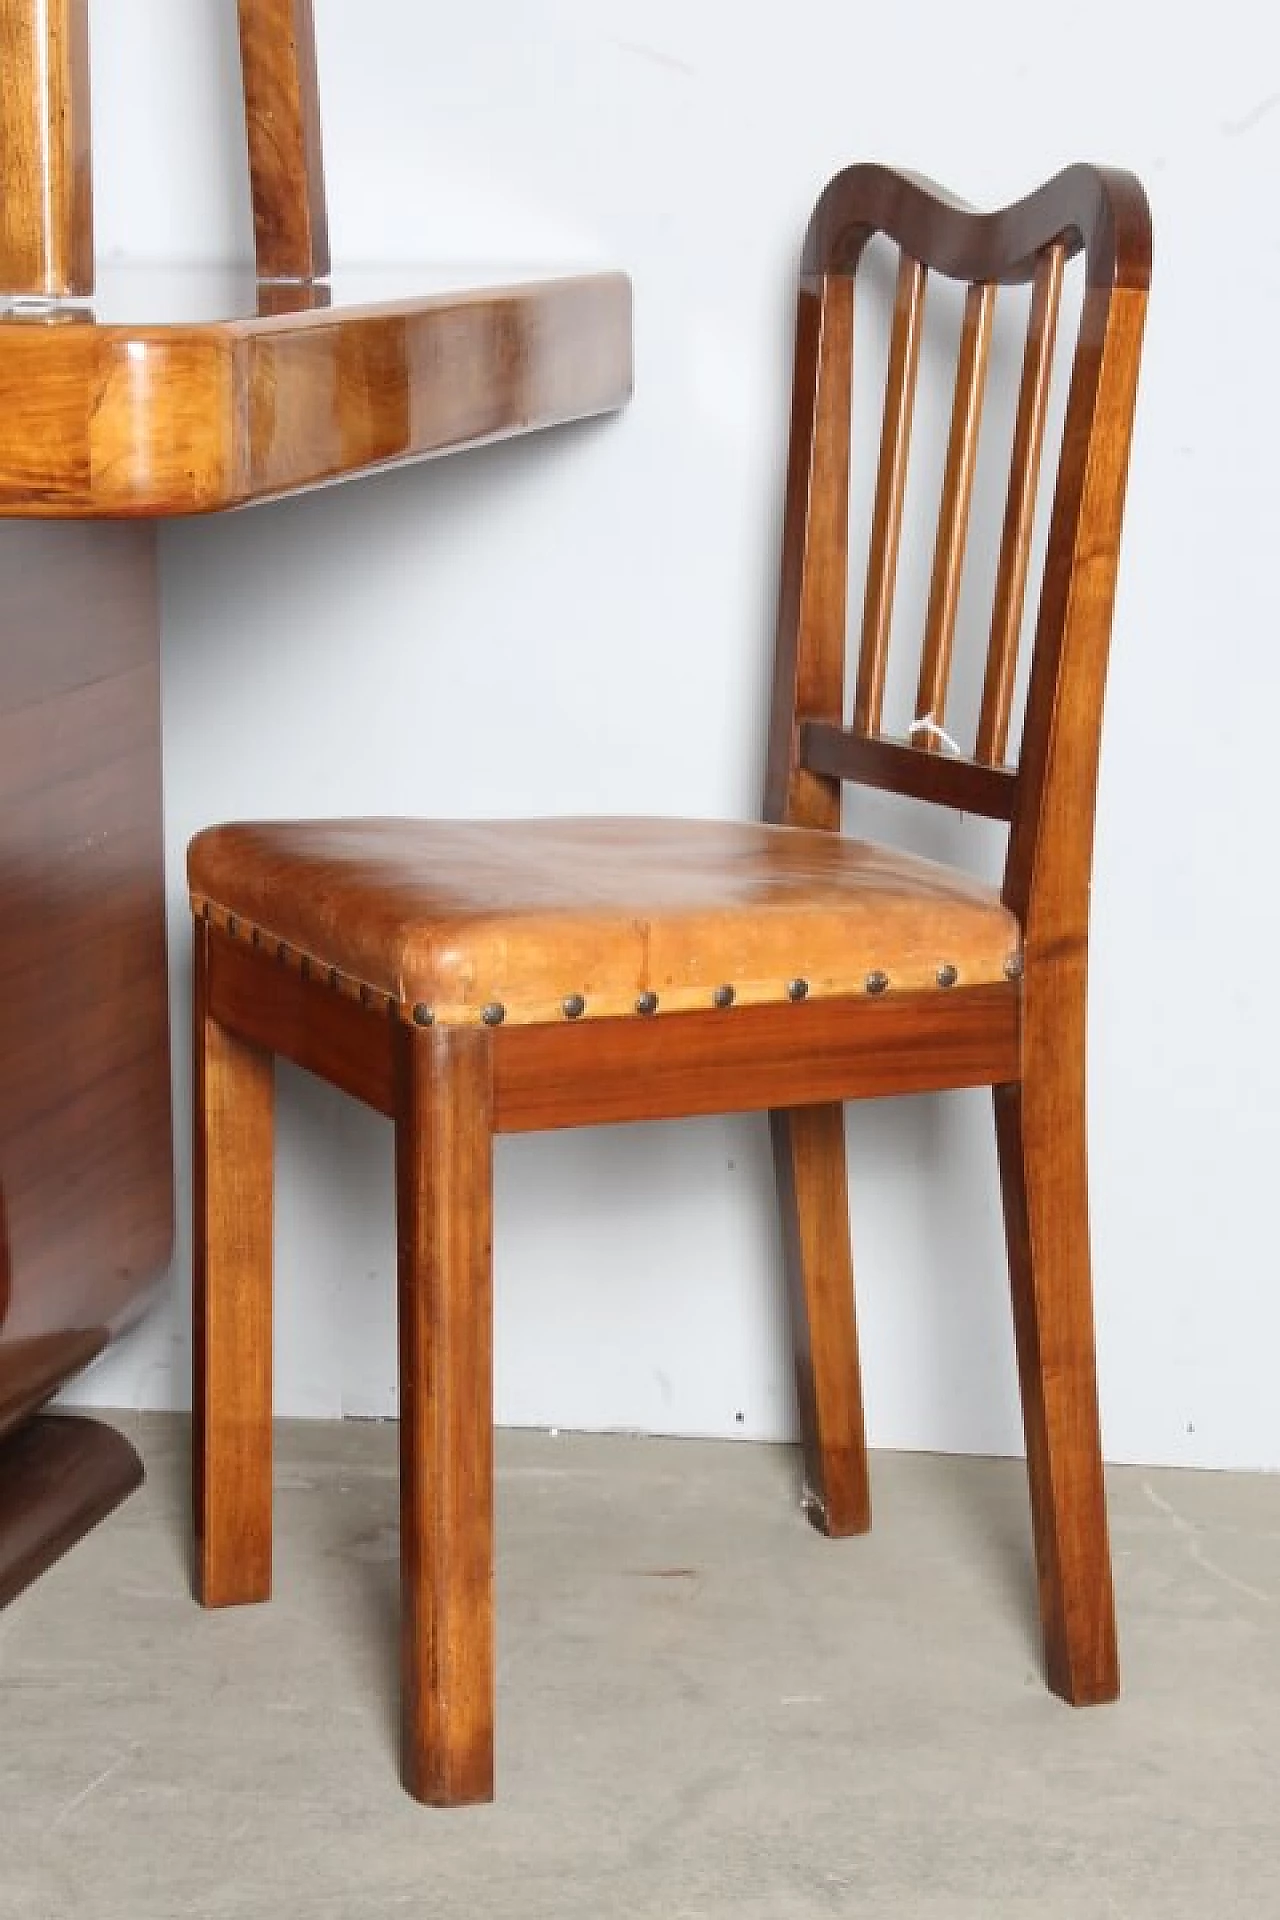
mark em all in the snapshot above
pixel 454 917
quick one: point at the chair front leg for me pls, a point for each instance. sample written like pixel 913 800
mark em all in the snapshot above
pixel 444 1208
pixel 813 1192
pixel 1040 1134
pixel 233 1114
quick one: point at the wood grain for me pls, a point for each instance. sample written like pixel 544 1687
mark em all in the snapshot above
pixel 1050 861
pixel 444 1185
pixel 233 1092
pixel 324 1030
pixel 34 1367
pixel 360 908
pixel 1020 508
pixel 898 766
pixel 809 654
pixel 1049 799
pixel 813 1196
pixel 59 1477
pixel 891 487
pixel 118 419
pixel 596 1072
pixel 953 517
pixel 759 1057
pixel 282 123
pixel 5 1264
pixel 46 187
pixel 85 1126
pixel 1101 211
pixel 1040 1133
pixel 1041 1122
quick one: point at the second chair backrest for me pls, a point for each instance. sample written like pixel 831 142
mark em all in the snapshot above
pixel 46 206
pixel 1047 797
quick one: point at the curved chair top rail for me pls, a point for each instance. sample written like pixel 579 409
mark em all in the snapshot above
pixel 1102 210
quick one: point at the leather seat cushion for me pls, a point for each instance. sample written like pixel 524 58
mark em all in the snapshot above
pixel 457 915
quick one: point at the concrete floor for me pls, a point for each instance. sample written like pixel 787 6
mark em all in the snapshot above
pixel 705 1709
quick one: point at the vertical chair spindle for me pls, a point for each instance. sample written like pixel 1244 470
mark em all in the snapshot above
pixel 891 486
pixel 953 519
pixel 1024 477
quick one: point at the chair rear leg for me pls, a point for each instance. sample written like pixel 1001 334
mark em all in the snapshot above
pixel 1040 1133
pixel 233 1114
pixel 444 1207
pixel 813 1191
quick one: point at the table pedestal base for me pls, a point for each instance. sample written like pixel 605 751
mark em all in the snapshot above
pixel 86 1177
pixel 59 1476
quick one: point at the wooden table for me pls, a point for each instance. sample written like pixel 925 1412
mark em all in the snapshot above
pixel 164 394
pixel 196 390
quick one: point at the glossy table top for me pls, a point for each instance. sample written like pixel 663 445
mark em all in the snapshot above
pixel 189 390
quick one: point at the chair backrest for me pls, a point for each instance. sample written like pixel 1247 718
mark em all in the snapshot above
pixel 1048 797
pixel 46 184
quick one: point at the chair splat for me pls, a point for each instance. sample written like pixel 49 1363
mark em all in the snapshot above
pixel 1024 477
pixel 891 487
pixel 953 521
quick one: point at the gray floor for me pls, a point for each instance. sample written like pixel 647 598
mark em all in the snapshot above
pixel 704 1708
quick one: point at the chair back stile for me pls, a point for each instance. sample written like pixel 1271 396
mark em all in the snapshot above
pixel 813 590
pixel 1047 798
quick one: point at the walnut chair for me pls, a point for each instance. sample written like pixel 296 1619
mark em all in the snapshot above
pixel 478 978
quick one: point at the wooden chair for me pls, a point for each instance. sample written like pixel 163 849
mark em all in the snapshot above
pixel 470 979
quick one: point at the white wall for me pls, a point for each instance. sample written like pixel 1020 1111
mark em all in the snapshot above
pixel 583 621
